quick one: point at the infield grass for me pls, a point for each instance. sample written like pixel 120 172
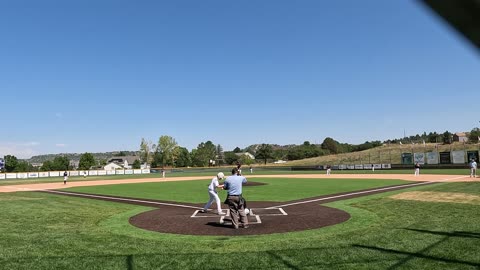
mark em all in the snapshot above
pixel 275 189
pixel 44 231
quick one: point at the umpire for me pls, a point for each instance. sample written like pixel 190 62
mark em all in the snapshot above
pixel 236 203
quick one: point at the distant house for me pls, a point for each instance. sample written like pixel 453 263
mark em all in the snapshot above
pixel 74 164
pixel 123 161
pixel 112 166
pixel 245 154
pixel 460 137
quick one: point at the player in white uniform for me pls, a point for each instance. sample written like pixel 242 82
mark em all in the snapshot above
pixel 65 177
pixel 212 192
pixel 473 168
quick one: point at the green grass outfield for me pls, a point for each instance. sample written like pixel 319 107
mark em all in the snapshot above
pixel 45 231
pixel 213 172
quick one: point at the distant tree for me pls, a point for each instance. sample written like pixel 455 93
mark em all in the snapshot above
pixel 203 154
pixel 474 135
pixel 295 153
pixel 183 159
pixel 237 150
pixel 447 137
pixel 86 161
pixel 102 162
pixel 11 163
pixel 265 151
pixel 23 166
pixel 168 149
pixel 121 154
pixel 146 151
pixel 279 154
pixel 47 166
pixel 136 164
pixel 330 144
pixel 231 158
pixel 246 159
pixel 61 163
pixel 156 160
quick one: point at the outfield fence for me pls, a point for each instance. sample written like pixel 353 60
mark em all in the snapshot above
pixel 33 175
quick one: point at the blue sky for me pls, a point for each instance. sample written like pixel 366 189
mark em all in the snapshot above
pixel 95 76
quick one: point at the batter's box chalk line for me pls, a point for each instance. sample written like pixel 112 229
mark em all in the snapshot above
pixel 255 213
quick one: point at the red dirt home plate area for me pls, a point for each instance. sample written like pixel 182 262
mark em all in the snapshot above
pixel 261 221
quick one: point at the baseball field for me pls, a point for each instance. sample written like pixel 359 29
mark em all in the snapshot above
pixel 298 221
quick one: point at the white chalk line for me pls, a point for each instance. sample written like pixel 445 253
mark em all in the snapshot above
pixel 350 194
pixel 368 191
pixel 193 207
pixel 119 199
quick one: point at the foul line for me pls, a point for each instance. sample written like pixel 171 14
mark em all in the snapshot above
pixel 367 191
pixel 351 194
pixel 119 199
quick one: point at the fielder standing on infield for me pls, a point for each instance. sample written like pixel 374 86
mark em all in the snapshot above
pixel 236 203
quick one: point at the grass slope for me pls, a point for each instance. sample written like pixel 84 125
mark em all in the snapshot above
pixel 388 153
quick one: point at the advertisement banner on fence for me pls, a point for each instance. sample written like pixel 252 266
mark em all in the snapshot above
pixel 73 173
pixel 93 173
pixel 445 158
pixel 432 158
pixel 137 171
pixel 110 172
pixel 458 157
pixel 33 175
pixel 43 174
pixel 119 171
pixel 102 172
pixel 54 174
pixel 342 167
pixel 2 176
pixel 419 158
pixel 128 171
pixel 367 166
pixel 11 176
pixel 358 167
pixel 22 175
pixel 350 167
pixel 386 166
pixel 377 166
pixel 146 171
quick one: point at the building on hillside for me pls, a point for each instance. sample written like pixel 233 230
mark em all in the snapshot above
pixel 245 154
pixel 460 137
pixel 74 164
pixel 123 161
pixel 112 166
